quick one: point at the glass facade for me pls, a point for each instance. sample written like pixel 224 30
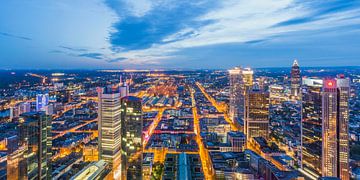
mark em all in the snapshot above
pixel 237 88
pixel 311 126
pixel 35 135
pixel 131 132
pixel 109 127
pixel 257 114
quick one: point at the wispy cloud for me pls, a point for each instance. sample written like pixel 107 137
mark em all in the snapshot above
pixel 74 49
pixel 80 52
pixel 15 36
pixel 92 55
pixel 56 51
pixel 255 41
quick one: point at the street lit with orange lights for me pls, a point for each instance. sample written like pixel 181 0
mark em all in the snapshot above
pixel 74 129
pixel 152 127
pixel 218 107
pixel 204 155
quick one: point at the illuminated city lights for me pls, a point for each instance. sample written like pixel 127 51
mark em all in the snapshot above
pixel 180 120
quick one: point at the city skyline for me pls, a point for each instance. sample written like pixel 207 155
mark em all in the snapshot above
pixel 180 89
pixel 235 124
pixel 163 34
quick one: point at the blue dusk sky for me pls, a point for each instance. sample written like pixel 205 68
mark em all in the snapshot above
pixel 142 34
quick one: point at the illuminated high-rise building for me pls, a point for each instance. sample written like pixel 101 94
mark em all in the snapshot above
pixel 35 135
pixel 131 133
pixel 236 104
pixel 257 113
pixel 248 85
pixel 329 125
pixel 311 125
pixel 335 115
pixel 295 80
pixel 109 110
pixel 343 85
pixel 277 94
pixel 325 116
pixel 42 100
pixel 248 77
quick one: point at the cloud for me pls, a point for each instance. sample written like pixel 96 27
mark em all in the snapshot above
pixel 158 34
pixel 319 11
pixel 139 8
pixel 92 55
pixel 15 36
pixel 73 49
pixel 255 41
pixel 56 51
pixel 155 26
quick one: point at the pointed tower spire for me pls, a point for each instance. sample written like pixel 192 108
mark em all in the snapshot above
pixel 295 63
pixel 295 80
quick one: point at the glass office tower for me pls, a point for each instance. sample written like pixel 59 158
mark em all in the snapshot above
pixel 35 135
pixel 131 133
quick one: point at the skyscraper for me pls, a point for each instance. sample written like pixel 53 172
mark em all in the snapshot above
pixel 329 125
pixel 325 116
pixel 131 133
pixel 311 125
pixel 248 79
pixel 343 85
pixel 35 135
pixel 109 110
pixel 42 100
pixel 335 127
pixel 236 104
pixel 257 114
pixel 295 80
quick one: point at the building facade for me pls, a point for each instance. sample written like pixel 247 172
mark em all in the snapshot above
pixel 236 101
pixel 237 141
pixel 42 100
pixel 335 115
pixel 329 125
pixel 257 114
pixel 35 135
pixel 109 127
pixel 248 76
pixel 343 85
pixel 132 142
pixel 324 131
pixel 311 125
